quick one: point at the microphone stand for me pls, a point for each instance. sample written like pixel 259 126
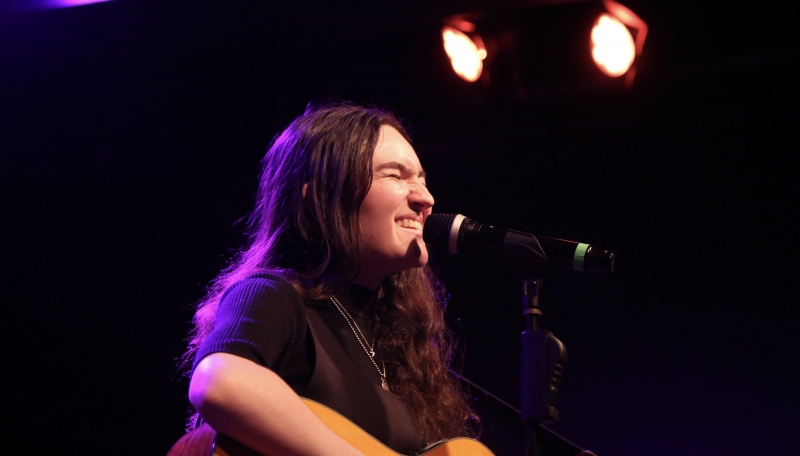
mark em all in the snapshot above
pixel 543 360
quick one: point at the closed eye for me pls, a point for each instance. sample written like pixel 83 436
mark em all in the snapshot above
pixel 391 166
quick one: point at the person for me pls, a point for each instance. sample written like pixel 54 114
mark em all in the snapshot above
pixel 332 300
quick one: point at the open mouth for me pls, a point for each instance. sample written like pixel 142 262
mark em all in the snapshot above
pixel 410 224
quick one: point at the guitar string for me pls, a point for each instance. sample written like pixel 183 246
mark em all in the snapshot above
pixel 361 340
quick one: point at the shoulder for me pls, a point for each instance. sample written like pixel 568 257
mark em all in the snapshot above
pixel 261 318
pixel 259 286
pixel 260 293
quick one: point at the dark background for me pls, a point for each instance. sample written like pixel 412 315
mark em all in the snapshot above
pixel 131 135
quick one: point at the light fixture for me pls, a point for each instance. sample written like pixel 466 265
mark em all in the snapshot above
pixel 466 53
pixel 612 44
pixel 540 48
pixel 69 3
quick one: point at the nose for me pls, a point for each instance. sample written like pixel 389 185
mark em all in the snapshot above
pixel 419 197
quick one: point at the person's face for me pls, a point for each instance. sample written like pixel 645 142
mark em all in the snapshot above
pixel 394 211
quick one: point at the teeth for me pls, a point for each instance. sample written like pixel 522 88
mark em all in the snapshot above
pixel 407 223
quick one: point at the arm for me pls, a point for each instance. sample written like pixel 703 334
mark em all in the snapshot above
pixel 253 405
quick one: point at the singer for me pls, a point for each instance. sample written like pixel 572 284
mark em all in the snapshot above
pixel 331 300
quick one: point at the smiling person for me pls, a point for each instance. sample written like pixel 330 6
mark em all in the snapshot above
pixel 332 299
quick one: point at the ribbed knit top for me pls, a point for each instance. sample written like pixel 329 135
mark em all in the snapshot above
pixel 262 318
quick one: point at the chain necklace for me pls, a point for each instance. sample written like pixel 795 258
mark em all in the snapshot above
pixel 362 340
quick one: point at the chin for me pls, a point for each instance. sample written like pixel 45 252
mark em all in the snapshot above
pixel 420 254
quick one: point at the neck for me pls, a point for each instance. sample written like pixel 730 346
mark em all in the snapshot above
pixel 367 280
pixel 358 299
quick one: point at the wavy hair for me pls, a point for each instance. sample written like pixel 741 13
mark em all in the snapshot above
pixel 315 243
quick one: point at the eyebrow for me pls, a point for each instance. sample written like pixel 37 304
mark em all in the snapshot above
pixel 399 166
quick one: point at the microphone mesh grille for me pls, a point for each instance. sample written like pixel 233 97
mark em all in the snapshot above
pixel 437 230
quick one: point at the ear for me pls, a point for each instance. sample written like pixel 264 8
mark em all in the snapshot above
pixel 304 191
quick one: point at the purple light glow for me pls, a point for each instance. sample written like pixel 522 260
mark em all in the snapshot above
pixel 69 3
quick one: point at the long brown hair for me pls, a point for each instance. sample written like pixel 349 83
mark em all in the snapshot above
pixel 315 242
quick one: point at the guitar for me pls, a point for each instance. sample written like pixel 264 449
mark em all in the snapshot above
pixel 204 441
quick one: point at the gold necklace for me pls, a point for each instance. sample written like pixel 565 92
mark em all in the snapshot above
pixel 370 352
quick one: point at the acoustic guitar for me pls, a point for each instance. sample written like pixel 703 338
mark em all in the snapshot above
pixel 204 441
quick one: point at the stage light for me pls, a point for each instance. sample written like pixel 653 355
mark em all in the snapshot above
pixel 630 19
pixel 542 48
pixel 466 54
pixel 613 49
pixel 613 46
pixel 69 3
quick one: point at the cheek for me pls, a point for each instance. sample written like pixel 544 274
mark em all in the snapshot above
pixel 369 227
pixel 372 215
pixel 375 217
pixel 382 201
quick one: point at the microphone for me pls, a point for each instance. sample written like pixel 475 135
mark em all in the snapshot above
pixel 457 234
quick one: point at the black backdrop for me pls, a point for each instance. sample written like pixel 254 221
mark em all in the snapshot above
pixel 131 138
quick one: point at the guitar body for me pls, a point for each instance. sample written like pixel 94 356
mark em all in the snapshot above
pixel 203 440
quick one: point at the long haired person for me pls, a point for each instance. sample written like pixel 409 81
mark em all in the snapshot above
pixel 332 299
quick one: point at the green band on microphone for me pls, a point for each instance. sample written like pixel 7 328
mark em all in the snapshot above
pixel 580 253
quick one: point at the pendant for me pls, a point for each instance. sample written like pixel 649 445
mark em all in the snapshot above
pixel 383 384
pixel 371 353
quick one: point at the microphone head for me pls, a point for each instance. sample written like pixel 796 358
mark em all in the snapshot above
pixel 599 260
pixel 436 232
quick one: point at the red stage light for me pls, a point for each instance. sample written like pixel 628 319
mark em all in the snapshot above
pixel 613 49
pixel 466 55
pixel 613 46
